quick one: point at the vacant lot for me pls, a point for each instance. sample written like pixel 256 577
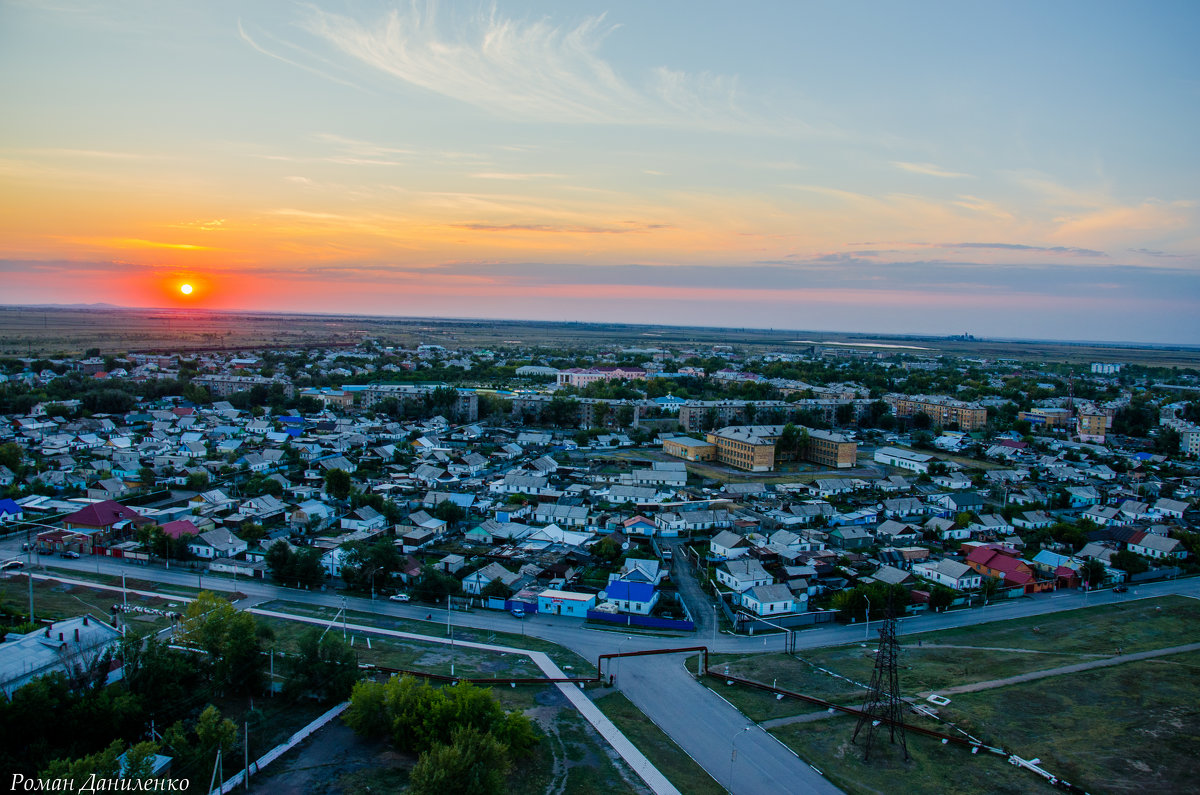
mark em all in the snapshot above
pixel 571 759
pixel 1114 729
pixel 54 600
pixel 570 662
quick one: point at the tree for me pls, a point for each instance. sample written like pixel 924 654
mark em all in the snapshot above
pixel 1130 562
pixel 325 668
pixel 12 456
pixel 1167 441
pixel 450 512
pixel 161 676
pixel 941 597
pixel 337 483
pixel 1092 573
pixel 229 637
pixel 214 732
pixel 474 763
pixel 625 415
pixel 197 481
pixel 497 589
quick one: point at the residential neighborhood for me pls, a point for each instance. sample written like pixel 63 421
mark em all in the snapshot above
pixel 787 507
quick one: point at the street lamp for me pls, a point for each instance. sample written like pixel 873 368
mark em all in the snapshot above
pixel 733 753
pixel 621 643
pixel 867 632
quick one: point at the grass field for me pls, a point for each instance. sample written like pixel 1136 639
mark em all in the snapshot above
pixel 679 768
pixel 1115 729
pixel 53 330
pixel 960 656
pixel 55 601
pixel 569 661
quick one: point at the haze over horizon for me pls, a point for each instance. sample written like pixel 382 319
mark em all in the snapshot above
pixel 1022 170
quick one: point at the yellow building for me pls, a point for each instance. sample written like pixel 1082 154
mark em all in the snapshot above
pixel 942 410
pixel 690 449
pixel 1091 427
pixel 752 447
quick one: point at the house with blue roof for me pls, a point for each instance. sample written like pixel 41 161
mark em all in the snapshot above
pixel 10 511
pixel 669 403
pixel 632 597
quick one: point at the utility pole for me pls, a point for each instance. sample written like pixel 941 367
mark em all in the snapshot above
pixel 246 754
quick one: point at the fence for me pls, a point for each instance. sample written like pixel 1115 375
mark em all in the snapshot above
pixel 651 622
pixel 748 623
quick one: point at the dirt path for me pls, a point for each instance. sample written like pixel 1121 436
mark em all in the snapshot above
pixel 1067 669
pixel 1003 648
pixel 989 684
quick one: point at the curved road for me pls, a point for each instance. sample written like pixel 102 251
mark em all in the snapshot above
pixel 702 723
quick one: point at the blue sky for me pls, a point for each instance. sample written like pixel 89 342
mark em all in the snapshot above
pixel 1017 169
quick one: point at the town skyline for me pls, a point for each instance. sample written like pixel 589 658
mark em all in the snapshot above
pixel 1018 172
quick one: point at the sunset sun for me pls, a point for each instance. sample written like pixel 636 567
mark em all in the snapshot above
pixel 186 289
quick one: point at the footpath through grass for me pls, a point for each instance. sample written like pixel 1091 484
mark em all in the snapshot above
pixel 1130 727
pixel 571 663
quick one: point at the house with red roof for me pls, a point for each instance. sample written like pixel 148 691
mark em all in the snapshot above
pixel 1002 563
pixel 104 516
pixel 180 528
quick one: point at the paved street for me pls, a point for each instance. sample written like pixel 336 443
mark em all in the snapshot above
pixel 702 724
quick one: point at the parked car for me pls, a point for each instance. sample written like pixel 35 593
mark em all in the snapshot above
pixel 400 597
pixel 1121 589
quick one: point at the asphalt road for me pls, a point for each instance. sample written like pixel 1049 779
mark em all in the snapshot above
pixel 702 723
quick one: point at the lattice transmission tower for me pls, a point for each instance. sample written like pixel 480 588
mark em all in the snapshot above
pixel 883 700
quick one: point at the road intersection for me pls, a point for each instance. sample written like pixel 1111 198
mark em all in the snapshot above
pixel 704 725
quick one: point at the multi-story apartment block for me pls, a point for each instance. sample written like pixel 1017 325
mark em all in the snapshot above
pixel 942 410
pixel 1091 427
pixel 1189 436
pixel 466 406
pixel 697 415
pixel 1047 417
pixel 225 385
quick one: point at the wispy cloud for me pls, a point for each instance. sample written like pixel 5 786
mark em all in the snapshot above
pixel 929 170
pixel 1149 252
pixel 1072 250
pixel 532 70
pixel 514 175
pixel 630 228
pixel 244 36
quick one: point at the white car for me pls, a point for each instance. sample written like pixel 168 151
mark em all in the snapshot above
pixel 400 597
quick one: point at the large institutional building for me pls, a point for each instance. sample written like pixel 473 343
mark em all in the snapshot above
pixel 753 447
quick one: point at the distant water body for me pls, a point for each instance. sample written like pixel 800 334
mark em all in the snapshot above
pixel 863 345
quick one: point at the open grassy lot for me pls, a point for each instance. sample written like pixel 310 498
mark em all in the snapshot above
pixel 1127 727
pixel 571 663
pixel 434 658
pixel 962 656
pixel 1136 625
pixel 679 768
pixel 933 768
pixel 55 600
pixel 1130 728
